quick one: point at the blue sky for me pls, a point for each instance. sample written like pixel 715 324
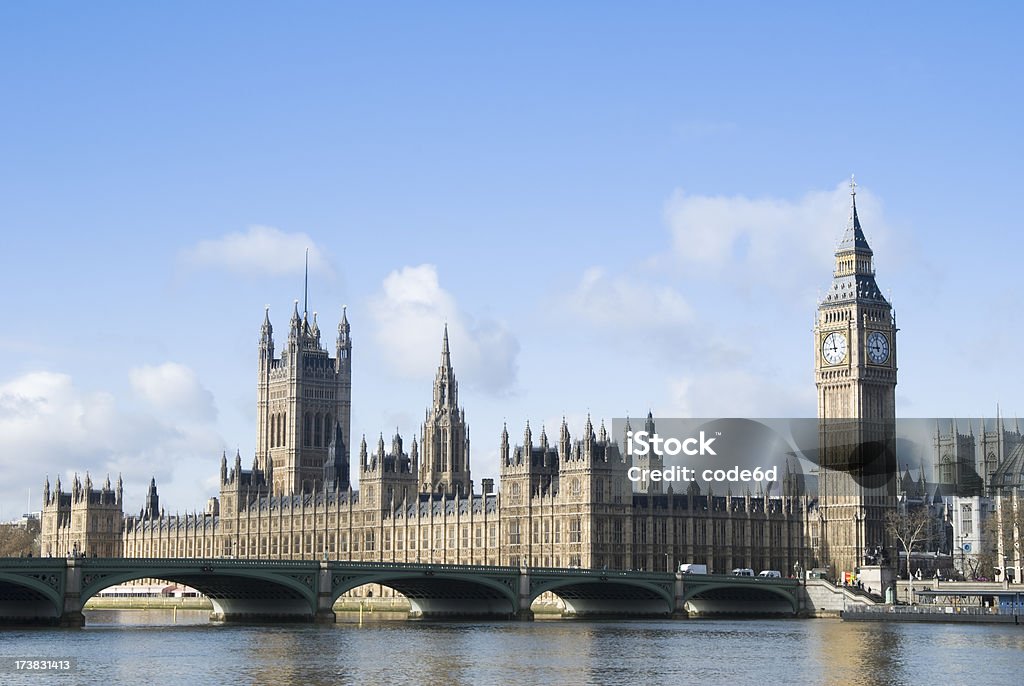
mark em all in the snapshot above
pixel 613 209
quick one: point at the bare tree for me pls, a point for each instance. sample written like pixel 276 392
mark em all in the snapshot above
pixel 1005 523
pixel 18 540
pixel 912 530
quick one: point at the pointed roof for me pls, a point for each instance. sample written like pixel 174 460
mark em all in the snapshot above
pixel 446 356
pixel 854 279
pixel 853 237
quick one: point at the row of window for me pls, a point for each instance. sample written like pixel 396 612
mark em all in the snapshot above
pixel 575 490
pixel 450 537
pixel 316 429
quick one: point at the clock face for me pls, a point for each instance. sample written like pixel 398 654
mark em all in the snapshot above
pixel 878 347
pixel 833 348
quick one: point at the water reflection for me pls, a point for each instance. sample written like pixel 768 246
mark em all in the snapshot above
pixel 859 653
pixel 145 647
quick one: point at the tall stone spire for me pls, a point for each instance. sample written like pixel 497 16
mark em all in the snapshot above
pixel 445 445
pixel 446 355
pixel 446 388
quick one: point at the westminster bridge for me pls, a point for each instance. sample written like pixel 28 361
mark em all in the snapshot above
pixel 53 591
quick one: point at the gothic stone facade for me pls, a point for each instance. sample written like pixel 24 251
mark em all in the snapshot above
pixel 569 504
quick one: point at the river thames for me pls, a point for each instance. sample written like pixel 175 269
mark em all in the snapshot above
pixel 144 646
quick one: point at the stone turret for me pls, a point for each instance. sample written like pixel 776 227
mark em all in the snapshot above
pixel 444 465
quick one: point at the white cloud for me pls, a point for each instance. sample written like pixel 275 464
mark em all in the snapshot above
pixel 259 250
pixel 771 241
pixel 174 390
pixel 50 426
pixel 608 301
pixel 409 316
pixel 735 393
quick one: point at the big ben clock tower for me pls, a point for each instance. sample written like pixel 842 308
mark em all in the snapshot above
pixel 855 373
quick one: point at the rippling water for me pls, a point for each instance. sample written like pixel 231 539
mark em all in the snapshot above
pixel 136 647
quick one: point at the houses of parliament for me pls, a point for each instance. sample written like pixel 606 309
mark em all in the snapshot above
pixel 562 501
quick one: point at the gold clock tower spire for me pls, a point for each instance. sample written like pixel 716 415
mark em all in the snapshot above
pixel 855 373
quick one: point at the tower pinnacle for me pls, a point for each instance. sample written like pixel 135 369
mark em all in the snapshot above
pixel 446 356
pixel 853 238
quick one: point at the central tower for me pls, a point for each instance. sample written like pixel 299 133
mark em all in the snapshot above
pixel 855 373
pixel 444 467
pixel 304 405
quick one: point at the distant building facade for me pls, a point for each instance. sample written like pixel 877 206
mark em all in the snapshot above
pixel 981 473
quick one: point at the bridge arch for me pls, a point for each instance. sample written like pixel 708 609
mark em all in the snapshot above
pixel 236 593
pixel 31 596
pixel 740 596
pixel 439 592
pixel 604 595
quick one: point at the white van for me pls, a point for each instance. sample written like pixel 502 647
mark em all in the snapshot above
pixel 739 571
pixel 690 568
pixel 770 574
